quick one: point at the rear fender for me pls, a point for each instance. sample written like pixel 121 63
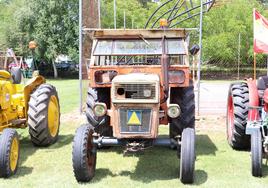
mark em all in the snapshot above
pixel 31 85
pixel 253 114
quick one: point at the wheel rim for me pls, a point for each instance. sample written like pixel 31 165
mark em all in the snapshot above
pixel 230 117
pixel 91 156
pixel 53 116
pixel 14 154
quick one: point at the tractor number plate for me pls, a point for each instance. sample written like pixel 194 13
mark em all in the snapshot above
pixel 134 117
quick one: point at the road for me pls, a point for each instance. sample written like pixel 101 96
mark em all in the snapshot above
pixel 213 98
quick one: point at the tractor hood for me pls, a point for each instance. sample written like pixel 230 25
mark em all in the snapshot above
pixel 136 88
pixel 136 78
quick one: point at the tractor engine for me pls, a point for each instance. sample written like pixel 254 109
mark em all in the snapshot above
pixel 135 105
pixel 11 102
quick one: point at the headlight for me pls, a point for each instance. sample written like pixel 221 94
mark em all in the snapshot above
pixel 147 93
pixel 174 111
pixel 100 109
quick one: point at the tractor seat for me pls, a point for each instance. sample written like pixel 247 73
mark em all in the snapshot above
pixel 4 75
pixel 262 84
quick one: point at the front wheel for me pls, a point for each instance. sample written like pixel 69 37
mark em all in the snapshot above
pixel 9 152
pixel 256 153
pixel 84 154
pixel 187 156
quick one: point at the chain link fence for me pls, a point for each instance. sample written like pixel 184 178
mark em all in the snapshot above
pixel 234 62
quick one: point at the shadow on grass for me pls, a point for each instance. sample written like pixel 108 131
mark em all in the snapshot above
pixel 27 149
pixel 22 171
pixel 62 141
pixel 205 146
pixel 265 168
pixel 159 163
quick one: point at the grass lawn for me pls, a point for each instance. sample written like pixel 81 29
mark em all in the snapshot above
pixel 217 165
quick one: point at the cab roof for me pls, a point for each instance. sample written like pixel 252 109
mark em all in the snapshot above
pixel 136 33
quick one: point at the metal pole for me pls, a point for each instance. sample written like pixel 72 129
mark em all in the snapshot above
pixel 200 56
pixel 114 14
pixel 267 64
pixel 124 19
pixel 99 12
pixel 80 53
pixel 254 71
pixel 238 63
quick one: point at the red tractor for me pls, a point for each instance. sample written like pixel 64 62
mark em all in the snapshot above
pixel 247 119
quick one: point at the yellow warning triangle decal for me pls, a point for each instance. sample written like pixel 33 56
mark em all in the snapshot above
pixel 134 119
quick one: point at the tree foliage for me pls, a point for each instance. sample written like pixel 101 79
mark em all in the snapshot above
pixel 222 27
pixel 53 25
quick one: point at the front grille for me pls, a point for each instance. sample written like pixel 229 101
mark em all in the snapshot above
pixel 136 91
pixel 145 126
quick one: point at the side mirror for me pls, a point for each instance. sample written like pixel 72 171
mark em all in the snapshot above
pixel 195 49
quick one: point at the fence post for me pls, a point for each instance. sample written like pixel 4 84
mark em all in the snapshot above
pixel 238 62
pixel 267 64
pixel 124 19
pixel 80 55
pixel 115 14
pixel 99 11
pixel 200 57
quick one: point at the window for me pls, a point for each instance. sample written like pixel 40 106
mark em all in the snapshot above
pixel 175 47
pixel 138 52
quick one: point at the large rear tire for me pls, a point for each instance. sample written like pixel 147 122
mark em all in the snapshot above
pixel 44 115
pixel 237 113
pixel 185 98
pixel 94 96
pixel 9 152
pixel 84 154
pixel 187 159
pixel 256 153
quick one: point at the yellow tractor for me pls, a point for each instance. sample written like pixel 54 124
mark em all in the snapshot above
pixel 35 105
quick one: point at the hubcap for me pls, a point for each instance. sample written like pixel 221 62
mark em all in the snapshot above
pixel 14 154
pixel 91 156
pixel 230 117
pixel 53 115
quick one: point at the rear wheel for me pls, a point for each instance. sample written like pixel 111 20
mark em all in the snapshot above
pixel 9 152
pixel 84 154
pixel 44 115
pixel 184 97
pixel 94 96
pixel 256 153
pixel 237 113
pixel 187 158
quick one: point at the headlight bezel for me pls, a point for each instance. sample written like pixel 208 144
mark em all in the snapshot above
pixel 100 109
pixel 174 111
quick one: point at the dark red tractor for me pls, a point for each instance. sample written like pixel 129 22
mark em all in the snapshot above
pixel 247 119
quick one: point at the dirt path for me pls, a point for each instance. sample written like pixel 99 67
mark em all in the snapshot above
pixel 213 98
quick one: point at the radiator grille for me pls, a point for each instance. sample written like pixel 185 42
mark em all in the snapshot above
pixel 137 91
pixel 145 126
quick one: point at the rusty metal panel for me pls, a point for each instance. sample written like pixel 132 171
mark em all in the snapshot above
pixel 137 33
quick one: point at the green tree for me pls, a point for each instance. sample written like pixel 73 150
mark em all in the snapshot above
pixel 52 24
pixel 222 26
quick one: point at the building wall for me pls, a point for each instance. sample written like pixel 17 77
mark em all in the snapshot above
pixel 90 20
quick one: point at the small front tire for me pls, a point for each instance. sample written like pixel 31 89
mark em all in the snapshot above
pixel 187 156
pixel 84 154
pixel 9 152
pixel 256 153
